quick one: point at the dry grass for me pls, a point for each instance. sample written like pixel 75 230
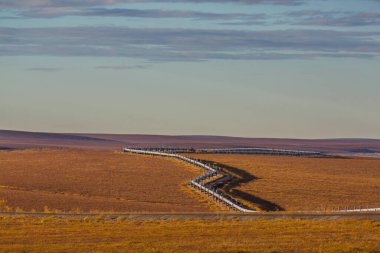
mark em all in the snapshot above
pixel 299 183
pixel 25 234
pixel 92 181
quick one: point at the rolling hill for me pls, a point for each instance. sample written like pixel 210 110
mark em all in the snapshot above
pixel 25 140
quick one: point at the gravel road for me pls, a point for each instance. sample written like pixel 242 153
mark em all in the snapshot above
pixel 241 216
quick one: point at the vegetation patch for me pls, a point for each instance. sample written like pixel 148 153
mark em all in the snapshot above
pixel 70 180
pixel 50 234
pixel 301 183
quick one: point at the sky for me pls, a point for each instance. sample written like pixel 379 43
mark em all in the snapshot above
pixel 254 68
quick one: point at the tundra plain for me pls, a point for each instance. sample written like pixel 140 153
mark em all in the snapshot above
pixel 21 139
pixel 303 183
pixel 106 181
pixel 77 180
pixel 51 234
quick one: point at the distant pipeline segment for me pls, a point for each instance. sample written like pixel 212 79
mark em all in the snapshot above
pixel 263 151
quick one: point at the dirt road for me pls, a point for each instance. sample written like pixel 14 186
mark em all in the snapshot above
pixel 241 216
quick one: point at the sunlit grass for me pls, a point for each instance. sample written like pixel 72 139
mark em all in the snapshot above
pixel 308 184
pixel 103 181
pixel 50 234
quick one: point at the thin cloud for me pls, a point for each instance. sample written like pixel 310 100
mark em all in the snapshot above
pixel 300 17
pixel 121 67
pixel 91 3
pixel 139 13
pixel 44 69
pixel 187 44
pixel 334 18
pixel 161 13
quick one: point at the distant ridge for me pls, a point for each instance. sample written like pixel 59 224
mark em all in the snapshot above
pixel 10 139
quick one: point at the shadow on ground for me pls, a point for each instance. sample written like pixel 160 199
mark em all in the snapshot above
pixel 240 177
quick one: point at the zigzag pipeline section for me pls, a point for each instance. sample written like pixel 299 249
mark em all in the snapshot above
pixel 202 183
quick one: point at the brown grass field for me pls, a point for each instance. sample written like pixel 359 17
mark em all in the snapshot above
pixel 99 181
pixel 95 181
pixel 26 234
pixel 304 184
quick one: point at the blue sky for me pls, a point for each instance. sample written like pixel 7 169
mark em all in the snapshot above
pixel 259 68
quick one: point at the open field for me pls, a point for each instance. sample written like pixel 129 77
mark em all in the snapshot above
pixel 95 181
pixel 303 184
pixel 49 234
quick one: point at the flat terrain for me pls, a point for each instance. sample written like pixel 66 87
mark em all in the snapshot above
pixel 95 181
pixel 19 140
pixel 49 234
pixel 304 184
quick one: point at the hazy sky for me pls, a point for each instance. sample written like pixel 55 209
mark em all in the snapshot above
pixel 258 68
